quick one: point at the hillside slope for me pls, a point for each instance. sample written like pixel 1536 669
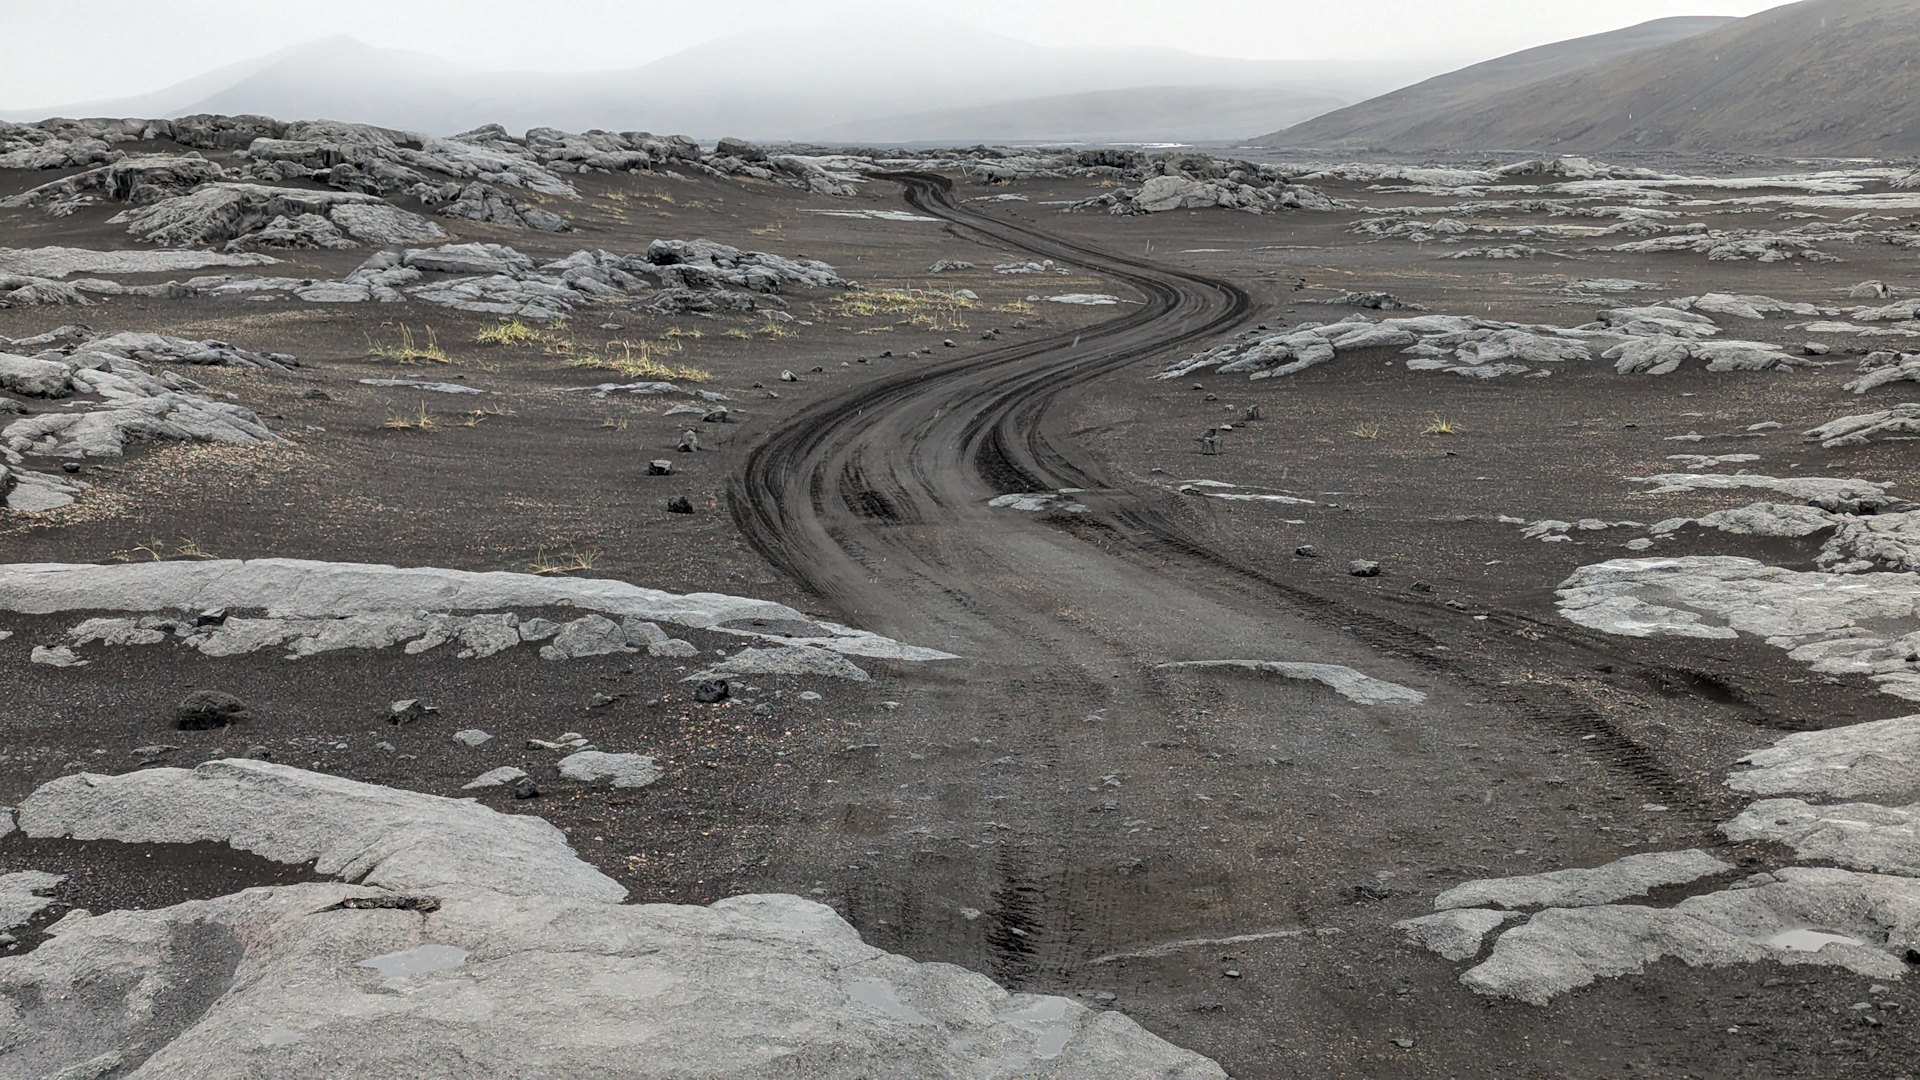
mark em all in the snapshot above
pixel 1403 117
pixel 1820 77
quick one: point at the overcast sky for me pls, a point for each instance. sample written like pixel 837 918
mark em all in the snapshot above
pixel 78 50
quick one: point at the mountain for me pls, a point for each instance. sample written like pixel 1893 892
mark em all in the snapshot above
pixel 848 77
pixel 1819 77
pixel 1404 118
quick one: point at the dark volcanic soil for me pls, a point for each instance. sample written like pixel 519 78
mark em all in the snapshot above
pixel 1051 809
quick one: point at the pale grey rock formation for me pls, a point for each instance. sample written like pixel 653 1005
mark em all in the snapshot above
pixel 1860 836
pixel 1901 419
pixel 1826 492
pixel 359 832
pixel 1862 623
pixel 58 656
pixel 1634 875
pixel 33 377
pixel 1345 681
pixel 1905 369
pixel 59 262
pixel 221 213
pixel 1868 923
pixel 487 940
pixel 623 770
pixel 1880 759
pixel 704 264
pixel 593 635
pixel 1457 934
pixel 325 592
pixel 797 660
pixel 492 778
pixel 20 899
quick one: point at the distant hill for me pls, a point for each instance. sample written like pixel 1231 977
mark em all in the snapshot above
pixel 1820 77
pixel 849 77
pixel 1410 117
pixel 1138 114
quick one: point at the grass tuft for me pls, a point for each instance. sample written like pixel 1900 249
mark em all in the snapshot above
pixel 566 562
pixel 511 332
pixel 1442 426
pixel 925 309
pixel 419 420
pixel 410 350
pixel 1366 431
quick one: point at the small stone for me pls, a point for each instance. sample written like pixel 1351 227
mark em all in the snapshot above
pixel 689 441
pixel 948 343
pixel 500 777
pixel 1306 551
pixel 660 467
pixel 471 736
pixel 711 691
pixel 316 395
pixel 1421 587
pixel 57 656
pixel 808 695
pixel 211 617
pixel 260 753
pixel 788 376
pixel 679 504
pixel 1403 1043
pixel 408 711
pixel 523 787
pixel 205 710
pixel 1231 973
pixel 148 753
pixel 717 416
pixel 1363 568
pixel 69 466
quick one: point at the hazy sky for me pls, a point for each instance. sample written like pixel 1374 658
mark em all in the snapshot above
pixel 77 50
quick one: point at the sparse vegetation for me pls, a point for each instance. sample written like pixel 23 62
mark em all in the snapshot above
pixel 158 551
pixel 566 562
pixel 613 423
pixel 410 350
pixel 419 420
pixel 1442 426
pixel 635 360
pixel 511 332
pixel 775 330
pixel 925 309
pixel 1018 307
pixel 1365 431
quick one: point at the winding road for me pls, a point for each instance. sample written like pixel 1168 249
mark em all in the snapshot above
pixel 1088 800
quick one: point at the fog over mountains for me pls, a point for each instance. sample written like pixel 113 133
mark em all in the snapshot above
pixel 882 75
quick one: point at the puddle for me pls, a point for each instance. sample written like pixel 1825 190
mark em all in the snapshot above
pixel 1807 939
pixel 420 960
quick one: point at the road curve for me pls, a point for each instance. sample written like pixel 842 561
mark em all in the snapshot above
pixel 859 477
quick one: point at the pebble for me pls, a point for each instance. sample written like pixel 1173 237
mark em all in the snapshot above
pixel 471 736
pixel 1363 568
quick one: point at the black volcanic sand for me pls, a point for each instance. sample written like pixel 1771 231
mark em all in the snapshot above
pixel 919 805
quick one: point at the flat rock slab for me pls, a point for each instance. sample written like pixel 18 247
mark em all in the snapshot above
pixel 1350 684
pixel 58 262
pixel 1456 934
pixel 794 660
pixel 1865 923
pixel 360 832
pixel 1836 623
pixel 1635 875
pixel 19 894
pixel 513 960
pixel 1878 759
pixel 1863 836
pixel 299 588
pixel 625 770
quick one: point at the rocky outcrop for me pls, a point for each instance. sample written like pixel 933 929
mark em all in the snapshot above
pixel 464 935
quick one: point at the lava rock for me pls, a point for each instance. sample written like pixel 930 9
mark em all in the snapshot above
pixel 408 711
pixel 523 787
pixel 1307 551
pixel 660 467
pixel 1363 568
pixel 712 691
pixel 679 504
pixel 205 710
